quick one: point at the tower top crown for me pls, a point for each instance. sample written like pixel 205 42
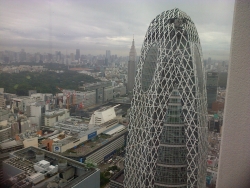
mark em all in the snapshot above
pixel 132 53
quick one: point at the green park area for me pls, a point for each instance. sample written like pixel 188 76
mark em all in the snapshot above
pixel 43 82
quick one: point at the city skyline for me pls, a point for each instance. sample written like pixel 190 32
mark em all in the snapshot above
pixel 94 27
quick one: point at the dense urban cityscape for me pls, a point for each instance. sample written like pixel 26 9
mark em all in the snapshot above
pixel 161 116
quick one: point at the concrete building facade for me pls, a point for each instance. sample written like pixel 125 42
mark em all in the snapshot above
pixel 34 113
pixel 101 120
pixel 116 181
pixel 4 114
pixel 34 167
pixel 108 94
pixel 103 152
pixel 120 90
pixel 20 103
pixel 54 116
pixel 234 160
pixel 5 131
pixel 90 99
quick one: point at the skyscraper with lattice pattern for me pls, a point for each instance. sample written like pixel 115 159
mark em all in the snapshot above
pixel 167 140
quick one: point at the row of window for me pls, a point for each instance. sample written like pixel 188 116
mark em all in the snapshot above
pixel 172 156
pixel 173 135
pixel 174 113
pixel 172 107
pixel 174 100
pixel 172 176
pixel 174 120
pixel 158 186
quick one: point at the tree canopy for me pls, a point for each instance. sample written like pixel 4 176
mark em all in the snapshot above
pixel 44 82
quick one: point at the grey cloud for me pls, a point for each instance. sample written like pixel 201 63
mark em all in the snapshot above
pixel 94 26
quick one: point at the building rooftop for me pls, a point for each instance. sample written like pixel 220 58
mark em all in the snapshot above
pixel 76 129
pixel 56 112
pixel 20 98
pixel 103 109
pixel 10 144
pixel 39 168
pixel 119 177
pixel 4 112
pixel 117 128
pixel 91 145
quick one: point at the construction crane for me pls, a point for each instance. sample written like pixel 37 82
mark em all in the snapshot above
pixel 74 98
pixel 61 98
pixel 81 104
pixel 68 94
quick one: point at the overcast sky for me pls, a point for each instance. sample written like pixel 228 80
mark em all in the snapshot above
pixel 96 25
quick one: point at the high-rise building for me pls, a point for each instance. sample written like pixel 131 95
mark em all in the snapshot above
pixel 234 161
pixel 72 57
pixel 22 55
pixel 58 56
pixel 222 79
pixel 131 67
pixel 211 86
pixel 209 61
pixel 167 139
pixel 2 100
pixel 77 54
pixel 108 56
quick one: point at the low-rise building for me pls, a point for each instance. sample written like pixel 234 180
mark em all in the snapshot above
pixel 120 90
pixel 77 134
pixel 104 149
pixel 8 98
pixel 28 138
pixel 218 106
pixel 47 97
pixel 4 114
pixel 85 99
pixel 19 104
pixel 5 131
pixel 116 181
pixel 53 116
pixel 108 94
pixel 103 115
pixel 11 146
pixel 96 141
pixel 98 88
pixel 21 125
pixel 34 167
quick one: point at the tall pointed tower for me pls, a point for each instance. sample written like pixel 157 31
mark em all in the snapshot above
pixel 131 67
pixel 167 139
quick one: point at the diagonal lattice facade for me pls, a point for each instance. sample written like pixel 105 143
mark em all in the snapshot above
pixel 167 140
